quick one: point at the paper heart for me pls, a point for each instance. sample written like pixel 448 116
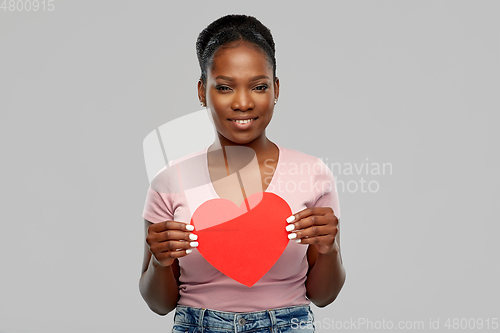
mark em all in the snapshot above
pixel 246 243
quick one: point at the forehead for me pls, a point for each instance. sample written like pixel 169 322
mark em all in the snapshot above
pixel 240 59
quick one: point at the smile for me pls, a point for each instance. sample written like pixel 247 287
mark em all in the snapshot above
pixel 245 121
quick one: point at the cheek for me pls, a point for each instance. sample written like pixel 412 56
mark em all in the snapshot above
pixel 267 99
pixel 217 117
pixel 266 105
pixel 220 103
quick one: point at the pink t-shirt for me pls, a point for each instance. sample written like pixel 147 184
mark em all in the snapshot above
pixel 177 190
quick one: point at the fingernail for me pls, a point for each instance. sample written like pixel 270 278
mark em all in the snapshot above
pixel 193 237
pixel 292 235
pixel 193 244
pixel 297 240
pixel 290 227
pixel 189 227
pixel 291 219
pixel 189 251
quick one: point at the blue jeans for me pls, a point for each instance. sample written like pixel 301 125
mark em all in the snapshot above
pixel 283 320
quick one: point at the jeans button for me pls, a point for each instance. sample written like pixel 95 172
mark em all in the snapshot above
pixel 242 321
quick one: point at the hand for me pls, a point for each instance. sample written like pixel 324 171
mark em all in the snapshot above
pixel 316 225
pixel 170 240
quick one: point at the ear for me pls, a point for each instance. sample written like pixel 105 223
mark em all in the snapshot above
pixel 276 88
pixel 201 92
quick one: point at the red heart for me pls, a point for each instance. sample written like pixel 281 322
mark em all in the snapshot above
pixel 243 243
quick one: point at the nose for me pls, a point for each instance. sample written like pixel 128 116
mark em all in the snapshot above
pixel 242 101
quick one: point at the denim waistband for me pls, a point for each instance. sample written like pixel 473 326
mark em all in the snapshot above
pixel 243 321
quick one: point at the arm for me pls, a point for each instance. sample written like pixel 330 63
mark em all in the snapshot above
pixel 318 227
pixel 158 284
pixel 326 274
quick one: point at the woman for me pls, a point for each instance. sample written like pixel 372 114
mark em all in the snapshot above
pixel 239 87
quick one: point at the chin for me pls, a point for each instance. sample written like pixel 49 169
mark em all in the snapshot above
pixel 240 140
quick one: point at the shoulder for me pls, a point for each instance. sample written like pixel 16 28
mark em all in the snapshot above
pixel 293 156
pixel 187 159
pixel 168 179
pixel 300 164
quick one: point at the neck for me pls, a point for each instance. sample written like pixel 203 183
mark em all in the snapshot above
pixel 262 145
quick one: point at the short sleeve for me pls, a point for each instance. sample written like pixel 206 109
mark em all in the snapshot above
pixel 326 187
pixel 158 207
pixel 161 195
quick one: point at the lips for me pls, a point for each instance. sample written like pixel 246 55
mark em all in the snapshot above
pixel 243 120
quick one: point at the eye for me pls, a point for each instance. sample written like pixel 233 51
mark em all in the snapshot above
pixel 222 88
pixel 262 87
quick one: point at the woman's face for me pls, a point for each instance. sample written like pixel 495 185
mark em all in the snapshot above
pixel 240 92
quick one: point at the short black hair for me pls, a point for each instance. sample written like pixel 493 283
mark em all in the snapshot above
pixel 228 29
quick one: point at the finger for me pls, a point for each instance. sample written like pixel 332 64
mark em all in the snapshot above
pixel 156 232
pixel 313 220
pixel 172 246
pixel 169 235
pixel 172 255
pixel 170 225
pixel 327 219
pixel 308 212
pixel 175 235
pixel 324 240
pixel 314 231
pixel 175 225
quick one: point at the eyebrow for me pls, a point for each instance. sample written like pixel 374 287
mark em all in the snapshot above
pixel 255 78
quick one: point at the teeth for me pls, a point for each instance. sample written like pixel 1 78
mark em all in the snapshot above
pixel 244 121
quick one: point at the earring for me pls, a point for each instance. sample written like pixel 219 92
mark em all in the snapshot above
pixel 275 101
pixel 202 104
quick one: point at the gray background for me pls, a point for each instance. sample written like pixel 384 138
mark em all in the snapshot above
pixel 411 83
